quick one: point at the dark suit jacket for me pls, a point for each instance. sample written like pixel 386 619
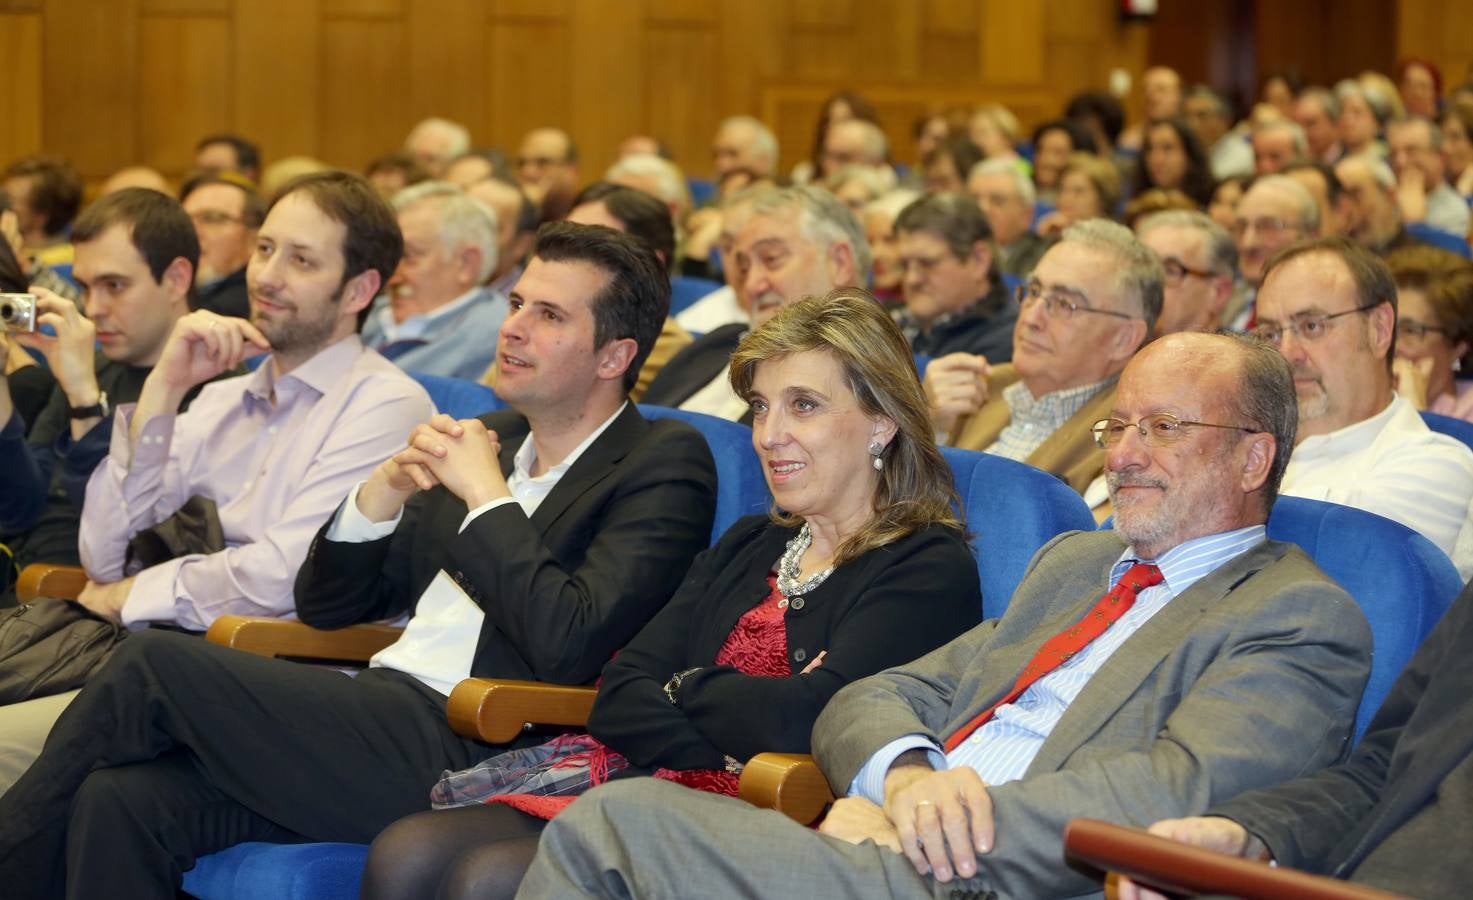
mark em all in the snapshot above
pixel 1331 821
pixel 889 605
pixel 228 296
pixel 986 330
pixel 1250 676
pixel 694 366
pixel 562 590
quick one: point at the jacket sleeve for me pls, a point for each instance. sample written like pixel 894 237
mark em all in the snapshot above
pixel 342 583
pixel 22 481
pixel 567 617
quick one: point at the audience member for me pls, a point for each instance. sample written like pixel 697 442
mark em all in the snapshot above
pixel 227 212
pixel 794 243
pixel 858 186
pixel 1199 261
pixel 45 192
pixel 1225 198
pixel 994 129
pixel 235 487
pixel 434 142
pixel 946 167
pixel 1089 188
pixel 887 275
pixel 1100 114
pixel 516 230
pixel 643 145
pixel 1319 179
pixel 1393 815
pixel 1362 112
pixel 393 172
pixel 1274 213
pixel 1434 329
pixel 1172 159
pixel 1420 84
pixel 723 306
pixel 1087 308
pixel 547 169
pixel 1457 146
pixel 1276 144
pixel 743 142
pixel 1317 113
pixel 838 107
pixel 135 176
pixel 277 175
pixel 1232 662
pixel 526 547
pixel 1156 200
pixel 854 142
pixel 955 301
pixel 1211 119
pixel 1006 195
pixel 1329 305
pixel 889 578
pixel 658 177
pixel 1279 89
pixel 929 131
pixel 477 165
pixel 1161 90
pixel 1053 144
pixel 229 153
pixel 1422 193
pixel 1369 212
pixel 435 315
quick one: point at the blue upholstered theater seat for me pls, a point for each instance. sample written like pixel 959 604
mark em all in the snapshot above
pixel 459 397
pixel 740 488
pixel 685 290
pixel 1450 426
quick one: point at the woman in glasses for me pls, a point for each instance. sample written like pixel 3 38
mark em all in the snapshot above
pixel 1434 329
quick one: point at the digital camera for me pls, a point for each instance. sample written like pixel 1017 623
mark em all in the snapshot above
pixel 18 312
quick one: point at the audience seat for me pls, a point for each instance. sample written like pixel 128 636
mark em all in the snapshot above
pixel 459 397
pixel 685 291
pixel 1442 240
pixel 741 489
pixel 1450 426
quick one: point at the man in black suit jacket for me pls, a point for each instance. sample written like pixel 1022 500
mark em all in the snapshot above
pixel 1393 816
pixel 796 242
pixel 526 548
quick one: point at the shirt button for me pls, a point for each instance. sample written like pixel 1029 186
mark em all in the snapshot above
pixel 797 603
pixel 800 655
pixel 271 430
pixel 247 485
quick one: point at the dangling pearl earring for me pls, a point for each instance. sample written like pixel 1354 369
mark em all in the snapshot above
pixel 875 450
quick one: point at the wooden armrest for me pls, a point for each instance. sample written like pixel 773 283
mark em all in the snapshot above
pixel 1184 869
pixel 790 783
pixel 293 640
pixel 497 711
pixel 50 580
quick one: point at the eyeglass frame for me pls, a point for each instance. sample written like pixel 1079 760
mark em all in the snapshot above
pixel 1053 304
pixel 1150 440
pixel 1168 264
pixel 215 217
pixel 1416 331
pixel 1296 322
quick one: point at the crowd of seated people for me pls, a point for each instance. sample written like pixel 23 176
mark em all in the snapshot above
pixel 1182 318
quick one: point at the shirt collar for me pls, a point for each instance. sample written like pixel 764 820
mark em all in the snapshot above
pixel 526 456
pixel 1352 437
pixel 1051 410
pixel 416 327
pixel 319 373
pixel 1190 561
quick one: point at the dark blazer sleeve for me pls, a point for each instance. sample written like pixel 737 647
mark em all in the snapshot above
pixel 566 599
pixel 1305 821
pixel 24 485
pixel 893 604
pixel 343 583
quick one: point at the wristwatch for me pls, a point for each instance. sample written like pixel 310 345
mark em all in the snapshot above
pixel 95 411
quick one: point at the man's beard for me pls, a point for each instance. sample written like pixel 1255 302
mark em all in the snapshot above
pixel 290 333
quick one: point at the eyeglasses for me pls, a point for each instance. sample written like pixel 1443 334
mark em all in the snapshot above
pixel 214 217
pixel 1268 226
pixel 1305 327
pixel 1176 272
pixel 1157 430
pixel 1061 303
pixel 1412 330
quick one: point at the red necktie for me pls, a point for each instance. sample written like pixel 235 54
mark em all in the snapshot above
pixel 1059 648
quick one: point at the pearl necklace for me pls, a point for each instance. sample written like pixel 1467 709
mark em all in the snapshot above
pixel 788 568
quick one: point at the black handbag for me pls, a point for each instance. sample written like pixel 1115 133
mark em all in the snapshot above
pixel 48 646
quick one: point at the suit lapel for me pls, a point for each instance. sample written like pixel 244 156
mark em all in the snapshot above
pixel 1072 443
pixel 1122 675
pixel 595 464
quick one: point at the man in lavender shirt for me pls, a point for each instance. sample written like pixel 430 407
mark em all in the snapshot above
pixel 275 450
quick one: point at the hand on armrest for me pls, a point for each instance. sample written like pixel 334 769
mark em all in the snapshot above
pixel 50 580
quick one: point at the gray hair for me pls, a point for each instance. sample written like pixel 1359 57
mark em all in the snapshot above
pixel 1379 103
pixel 465 221
pixel 892 202
pixel 1326 99
pixel 822 218
pixel 1380 169
pixel 876 145
pixel 1138 274
pixel 670 185
pixel 1222 250
pixel 1296 134
pixel 460 136
pixel 1309 210
pixel 1219 105
pixel 1265 399
pixel 764 142
pixel 1434 133
pixel 1021 182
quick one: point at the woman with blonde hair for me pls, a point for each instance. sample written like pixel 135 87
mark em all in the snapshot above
pixel 860 566
pixel 1089 188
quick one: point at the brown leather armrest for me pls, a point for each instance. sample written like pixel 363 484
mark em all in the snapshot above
pixel 1190 870
pixel 50 580
pixel 790 783
pixel 498 710
pixel 293 640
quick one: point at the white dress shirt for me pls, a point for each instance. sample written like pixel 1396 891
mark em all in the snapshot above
pixel 1003 748
pixel 439 642
pixel 1393 465
pixel 717 399
pixel 718 308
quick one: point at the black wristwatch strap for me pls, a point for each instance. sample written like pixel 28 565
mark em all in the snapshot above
pixel 95 411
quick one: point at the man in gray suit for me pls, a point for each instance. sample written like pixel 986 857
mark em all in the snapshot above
pixel 1240 664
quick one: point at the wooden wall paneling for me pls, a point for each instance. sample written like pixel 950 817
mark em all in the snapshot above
pixel 90 77
pixel 364 9
pixel 822 53
pixel 19 6
pixel 886 39
pixel 20 91
pixel 531 9
pixel 948 45
pixel 681 67
pixel 1012 42
pixel 689 12
pixel 185 7
pixel 447 76
pixel 830 14
pixel 608 96
pixel 529 73
pixel 184 87
pixel 276 62
pixel 752 46
pixel 363 105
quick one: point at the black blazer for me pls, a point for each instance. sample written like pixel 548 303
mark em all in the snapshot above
pixel 694 366
pixel 1331 821
pixel 562 590
pixel 890 606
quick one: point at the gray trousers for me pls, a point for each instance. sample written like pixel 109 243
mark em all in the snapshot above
pixel 650 839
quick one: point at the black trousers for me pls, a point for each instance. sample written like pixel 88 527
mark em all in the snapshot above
pixel 178 748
